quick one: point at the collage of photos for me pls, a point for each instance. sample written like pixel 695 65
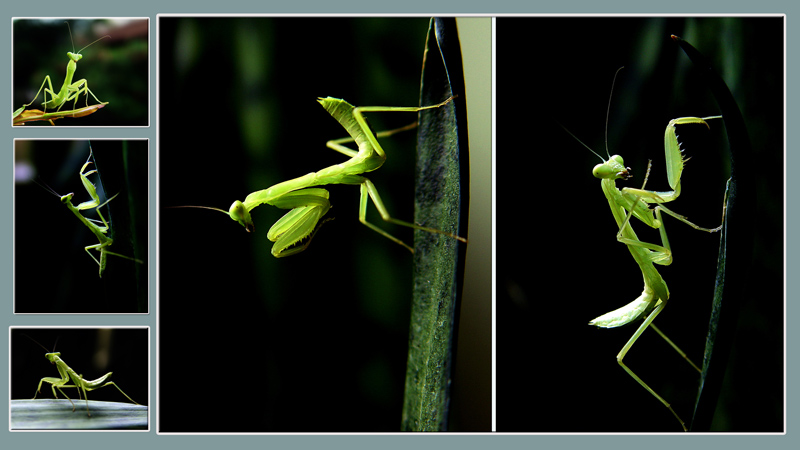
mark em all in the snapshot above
pixel 381 271
pixel 81 226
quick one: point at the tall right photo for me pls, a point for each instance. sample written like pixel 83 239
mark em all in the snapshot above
pixel 642 291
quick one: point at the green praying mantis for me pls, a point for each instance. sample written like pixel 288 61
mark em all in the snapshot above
pixel 69 90
pixel 627 203
pixel 308 204
pixel 68 374
pixel 100 231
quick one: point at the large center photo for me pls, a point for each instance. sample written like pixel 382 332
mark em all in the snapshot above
pixel 299 316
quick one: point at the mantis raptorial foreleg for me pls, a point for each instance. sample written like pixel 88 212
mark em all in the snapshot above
pixel 309 204
pixel 627 203
pixel 100 231
pixel 70 91
pixel 67 375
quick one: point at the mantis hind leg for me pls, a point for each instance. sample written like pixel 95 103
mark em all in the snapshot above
pixel 358 115
pixel 677 349
pixel 102 248
pixel 86 389
pixel 336 144
pixel 113 384
pixel 368 190
pixel 647 322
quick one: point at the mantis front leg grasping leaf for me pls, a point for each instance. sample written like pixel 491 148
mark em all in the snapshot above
pixel 309 204
pixel 627 203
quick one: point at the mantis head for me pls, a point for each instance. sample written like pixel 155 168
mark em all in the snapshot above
pixel 239 213
pixel 52 357
pixel 612 169
pixel 67 198
pixel 75 57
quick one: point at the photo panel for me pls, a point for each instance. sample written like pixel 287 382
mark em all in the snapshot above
pixel 81 72
pixel 110 366
pixel 322 335
pixel 563 266
pixel 80 226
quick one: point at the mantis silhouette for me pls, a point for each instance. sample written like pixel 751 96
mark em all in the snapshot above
pixel 308 205
pixel 69 90
pixel 100 231
pixel 627 203
pixel 68 374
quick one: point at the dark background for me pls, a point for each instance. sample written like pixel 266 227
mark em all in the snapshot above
pixel 316 341
pixel 558 262
pixel 115 68
pixel 52 271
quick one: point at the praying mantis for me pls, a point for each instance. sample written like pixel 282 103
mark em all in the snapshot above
pixel 68 374
pixel 100 231
pixel 308 205
pixel 627 203
pixel 69 90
